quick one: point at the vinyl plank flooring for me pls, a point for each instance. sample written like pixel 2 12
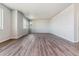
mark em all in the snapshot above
pixel 38 45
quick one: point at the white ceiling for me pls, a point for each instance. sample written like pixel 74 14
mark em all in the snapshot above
pixel 39 10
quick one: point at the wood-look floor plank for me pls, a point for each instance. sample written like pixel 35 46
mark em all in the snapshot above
pixel 38 45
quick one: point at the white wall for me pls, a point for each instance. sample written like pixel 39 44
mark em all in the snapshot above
pixel 12 24
pixel 5 34
pixel 18 30
pixel 76 23
pixel 40 26
pixel 62 24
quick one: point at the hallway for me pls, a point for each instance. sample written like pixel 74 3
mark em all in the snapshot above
pixel 37 45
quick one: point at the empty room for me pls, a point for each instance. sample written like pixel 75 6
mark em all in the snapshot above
pixel 39 29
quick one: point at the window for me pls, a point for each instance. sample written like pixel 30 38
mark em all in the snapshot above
pixel 30 24
pixel 1 18
pixel 24 23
